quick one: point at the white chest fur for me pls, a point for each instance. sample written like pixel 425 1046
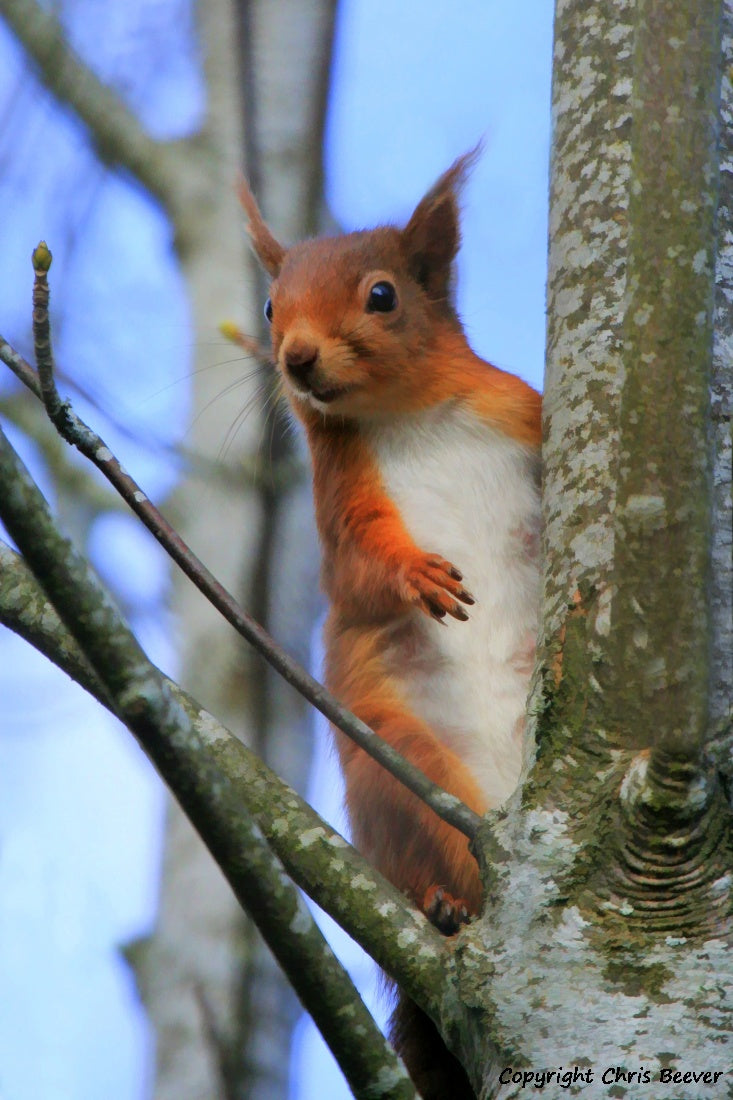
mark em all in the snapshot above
pixel 469 493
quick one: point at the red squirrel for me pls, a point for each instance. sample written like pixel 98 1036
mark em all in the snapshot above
pixel 425 472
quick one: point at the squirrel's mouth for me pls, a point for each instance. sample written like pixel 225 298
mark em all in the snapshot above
pixel 327 396
pixel 322 395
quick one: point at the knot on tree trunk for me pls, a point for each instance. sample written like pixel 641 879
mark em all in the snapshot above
pixel 668 871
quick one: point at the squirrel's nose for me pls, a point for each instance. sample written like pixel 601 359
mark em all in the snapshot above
pixel 300 361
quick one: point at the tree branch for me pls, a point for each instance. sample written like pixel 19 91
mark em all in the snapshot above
pixel 317 857
pixel 143 700
pixel 24 609
pixel 75 480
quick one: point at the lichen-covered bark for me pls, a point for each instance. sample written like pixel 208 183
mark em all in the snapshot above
pixel 589 196
pixel 721 594
pixel 657 651
pixel 563 993
pixel 627 476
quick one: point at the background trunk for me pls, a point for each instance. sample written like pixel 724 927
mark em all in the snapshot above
pixel 223 1014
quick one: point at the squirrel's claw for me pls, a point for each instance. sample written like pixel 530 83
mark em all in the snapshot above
pixel 435 585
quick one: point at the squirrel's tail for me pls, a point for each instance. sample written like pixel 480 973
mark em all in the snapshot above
pixel 436 1073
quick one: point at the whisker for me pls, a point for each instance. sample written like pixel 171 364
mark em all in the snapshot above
pixel 230 388
pixel 253 369
pixel 270 394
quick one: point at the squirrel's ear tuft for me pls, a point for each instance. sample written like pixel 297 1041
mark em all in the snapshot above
pixel 269 251
pixel 431 238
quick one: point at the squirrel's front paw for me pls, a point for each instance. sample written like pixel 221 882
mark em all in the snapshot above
pixel 435 586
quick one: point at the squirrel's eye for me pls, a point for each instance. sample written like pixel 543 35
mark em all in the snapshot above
pixel 382 298
pixel 268 310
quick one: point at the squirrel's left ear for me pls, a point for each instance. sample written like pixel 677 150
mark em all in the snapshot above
pixel 269 251
pixel 431 238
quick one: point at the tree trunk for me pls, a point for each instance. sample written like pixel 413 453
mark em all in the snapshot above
pixel 604 948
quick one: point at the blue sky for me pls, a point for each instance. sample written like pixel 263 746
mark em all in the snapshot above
pixel 415 84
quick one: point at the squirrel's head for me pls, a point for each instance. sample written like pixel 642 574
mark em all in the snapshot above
pixel 352 316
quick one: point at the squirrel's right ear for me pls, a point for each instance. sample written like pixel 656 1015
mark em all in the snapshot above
pixel 431 238
pixel 269 251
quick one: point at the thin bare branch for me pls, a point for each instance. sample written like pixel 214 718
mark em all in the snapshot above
pixel 447 806
pixel 76 480
pixel 253 470
pixel 20 367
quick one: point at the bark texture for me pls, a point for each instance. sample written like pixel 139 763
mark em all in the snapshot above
pixel 722 400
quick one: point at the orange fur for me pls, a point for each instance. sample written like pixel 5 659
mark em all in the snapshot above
pixel 411 846
pixel 350 369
